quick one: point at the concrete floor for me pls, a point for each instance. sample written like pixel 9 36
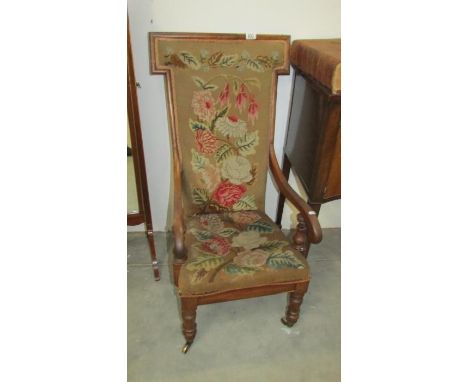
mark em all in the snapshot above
pixel 236 341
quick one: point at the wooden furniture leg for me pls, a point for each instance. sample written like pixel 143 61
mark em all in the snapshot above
pixel 300 236
pixel 175 271
pixel 286 169
pixel 189 326
pixel 154 260
pixel 294 305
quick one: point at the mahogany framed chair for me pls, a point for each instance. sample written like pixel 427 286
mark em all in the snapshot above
pixel 221 91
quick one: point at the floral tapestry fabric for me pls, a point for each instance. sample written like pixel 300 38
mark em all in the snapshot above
pixel 237 250
pixel 223 108
pixel 224 139
pixel 204 60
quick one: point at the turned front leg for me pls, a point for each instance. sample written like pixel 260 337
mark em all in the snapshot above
pixel 300 239
pixel 189 313
pixel 294 305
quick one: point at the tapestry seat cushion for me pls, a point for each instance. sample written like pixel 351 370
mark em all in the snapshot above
pixel 237 250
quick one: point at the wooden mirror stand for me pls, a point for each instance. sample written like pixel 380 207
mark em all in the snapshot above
pixel 143 214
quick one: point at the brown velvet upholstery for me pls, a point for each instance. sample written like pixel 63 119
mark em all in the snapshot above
pixel 237 250
pixel 320 59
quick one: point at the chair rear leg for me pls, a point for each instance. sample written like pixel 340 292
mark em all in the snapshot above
pixel 294 305
pixel 189 326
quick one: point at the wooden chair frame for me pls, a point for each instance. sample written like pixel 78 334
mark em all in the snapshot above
pixel 308 230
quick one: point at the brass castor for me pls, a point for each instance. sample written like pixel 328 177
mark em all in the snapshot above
pixel 186 347
pixel 287 323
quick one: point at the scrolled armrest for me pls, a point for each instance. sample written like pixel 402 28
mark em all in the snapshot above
pixel 314 230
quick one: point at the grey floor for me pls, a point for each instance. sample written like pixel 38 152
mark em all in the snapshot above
pixel 239 340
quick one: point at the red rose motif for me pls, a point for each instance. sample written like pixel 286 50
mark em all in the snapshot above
pixel 206 142
pixel 227 194
pixel 253 110
pixel 224 95
pixel 217 245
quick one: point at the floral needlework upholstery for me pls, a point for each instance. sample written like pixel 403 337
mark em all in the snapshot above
pixel 223 112
pixel 237 250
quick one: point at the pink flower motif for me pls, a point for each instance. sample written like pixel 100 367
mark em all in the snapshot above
pixel 227 194
pixel 253 110
pixel 206 142
pixel 224 95
pixel 217 245
pixel 242 97
pixel 212 222
pixel 203 105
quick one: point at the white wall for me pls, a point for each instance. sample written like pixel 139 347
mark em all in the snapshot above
pixel 298 18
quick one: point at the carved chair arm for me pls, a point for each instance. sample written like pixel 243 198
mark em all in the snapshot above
pixel 178 226
pixel 313 226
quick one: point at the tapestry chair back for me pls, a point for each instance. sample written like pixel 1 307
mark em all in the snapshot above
pixel 222 110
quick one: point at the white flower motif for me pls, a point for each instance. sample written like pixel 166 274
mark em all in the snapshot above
pixel 255 258
pixel 248 240
pixel 237 170
pixel 232 126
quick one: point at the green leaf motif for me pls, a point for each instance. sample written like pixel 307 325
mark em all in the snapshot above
pixel 273 245
pixel 284 260
pixel 223 152
pixel 199 82
pixel 234 269
pixel 255 65
pixel 201 235
pixel 204 261
pixel 204 85
pixel 200 195
pixel 197 125
pixel 210 87
pixel 198 161
pixel 247 143
pixel 228 232
pixel 260 226
pixel 246 203
pixel 221 114
pixel 228 60
pixel 253 81
pixel 189 59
